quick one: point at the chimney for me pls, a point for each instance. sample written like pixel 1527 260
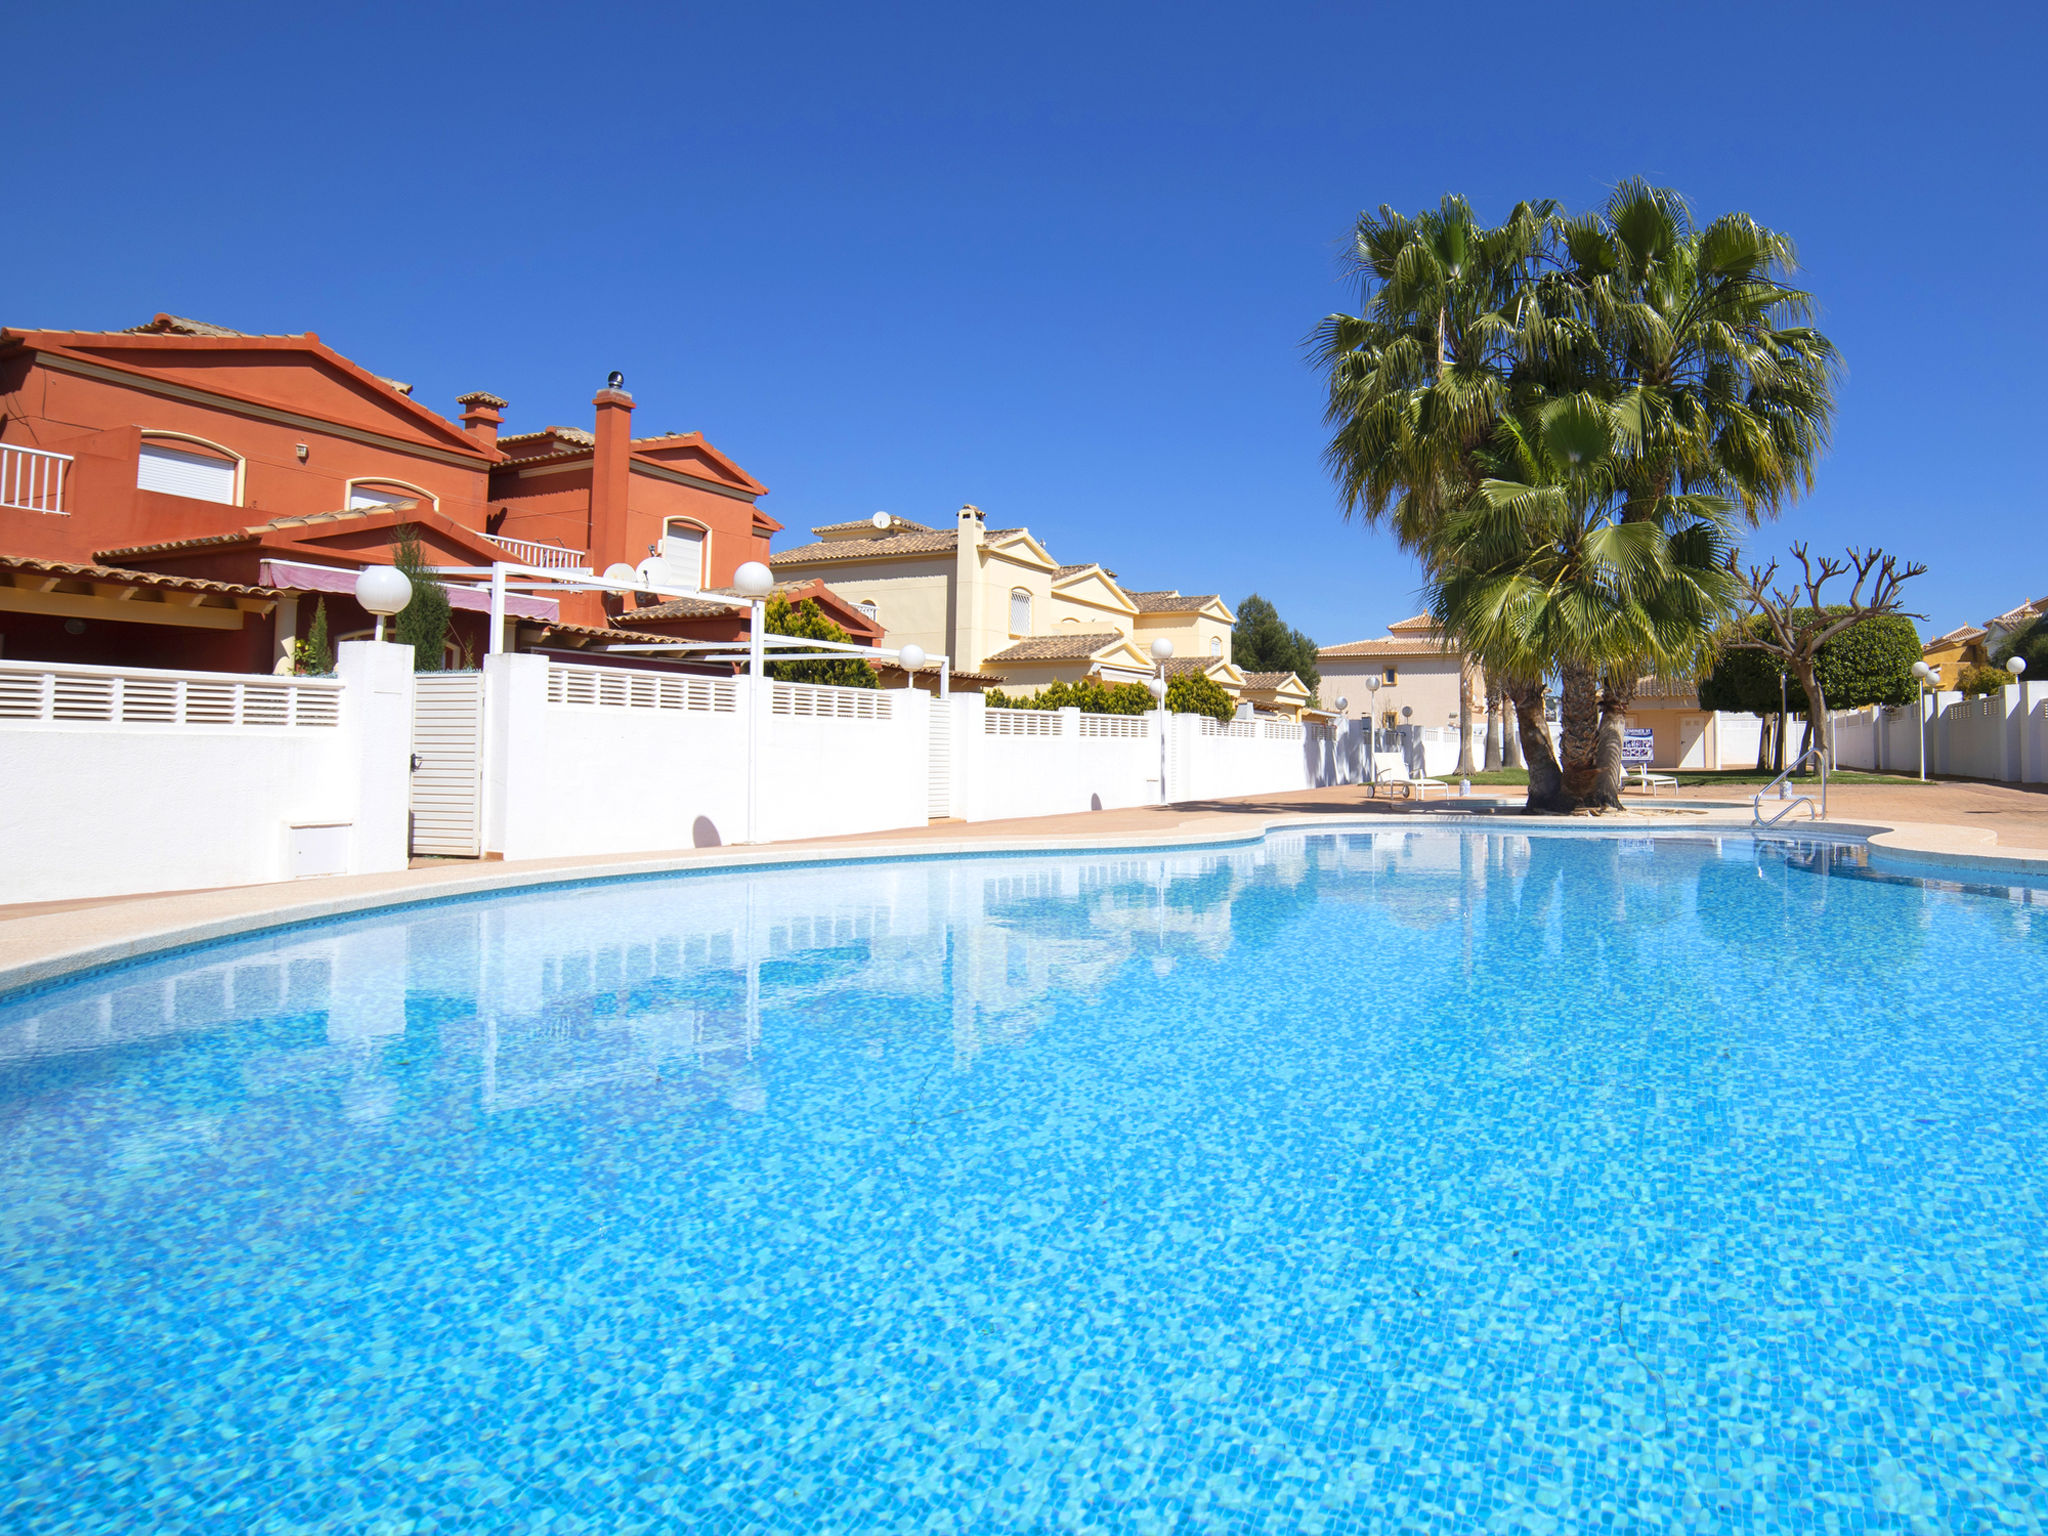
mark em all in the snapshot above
pixel 610 470
pixel 481 416
pixel 967 593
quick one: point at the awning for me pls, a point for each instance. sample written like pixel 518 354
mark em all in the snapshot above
pixel 327 578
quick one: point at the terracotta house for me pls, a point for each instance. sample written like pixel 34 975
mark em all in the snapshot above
pixel 275 466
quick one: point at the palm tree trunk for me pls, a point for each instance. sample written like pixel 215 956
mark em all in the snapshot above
pixel 1493 727
pixel 1763 744
pixel 1512 753
pixel 1546 780
pixel 1606 795
pixel 1464 770
pixel 1579 710
pixel 1615 698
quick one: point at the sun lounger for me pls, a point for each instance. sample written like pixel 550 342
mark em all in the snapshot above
pixel 1390 771
pixel 1649 783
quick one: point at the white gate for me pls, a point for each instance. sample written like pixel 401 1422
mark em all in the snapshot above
pixel 941 779
pixel 447 763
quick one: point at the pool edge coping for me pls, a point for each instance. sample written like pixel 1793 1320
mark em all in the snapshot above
pixel 1930 844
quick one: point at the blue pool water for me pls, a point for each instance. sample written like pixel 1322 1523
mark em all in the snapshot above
pixel 1362 1182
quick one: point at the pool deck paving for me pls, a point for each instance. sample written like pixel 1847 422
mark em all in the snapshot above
pixel 1992 828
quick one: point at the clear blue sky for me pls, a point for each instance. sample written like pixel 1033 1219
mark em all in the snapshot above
pixel 1054 260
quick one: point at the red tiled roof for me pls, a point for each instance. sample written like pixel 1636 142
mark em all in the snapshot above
pixel 1078 646
pixel 67 570
pixel 1168 601
pixel 881 546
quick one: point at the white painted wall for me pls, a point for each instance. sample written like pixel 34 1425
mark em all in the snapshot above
pixel 120 806
pixel 1029 762
pixel 650 771
pixel 2000 736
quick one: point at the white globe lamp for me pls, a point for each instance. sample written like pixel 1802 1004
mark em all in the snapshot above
pixel 911 657
pixel 2016 665
pixel 1923 671
pixel 753 581
pixel 1161 649
pixel 1343 703
pixel 1157 688
pixel 383 590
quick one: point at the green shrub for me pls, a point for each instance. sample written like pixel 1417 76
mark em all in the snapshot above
pixel 423 622
pixel 1197 693
pixel 805 622
pixel 1091 696
pixel 315 653
pixel 1974 681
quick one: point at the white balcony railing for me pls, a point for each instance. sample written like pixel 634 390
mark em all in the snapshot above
pixel 32 479
pixel 547 557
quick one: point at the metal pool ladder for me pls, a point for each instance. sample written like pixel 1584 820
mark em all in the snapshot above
pixel 1813 813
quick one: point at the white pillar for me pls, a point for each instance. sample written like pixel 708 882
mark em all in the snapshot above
pixel 757 706
pixel 376 707
pixel 287 614
pixel 497 607
pixel 519 817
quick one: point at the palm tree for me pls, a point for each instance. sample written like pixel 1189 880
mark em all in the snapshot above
pixel 1541 568
pixel 1419 377
pixel 1720 383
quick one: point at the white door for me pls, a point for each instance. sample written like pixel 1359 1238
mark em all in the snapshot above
pixel 180 472
pixel 1692 742
pixel 448 763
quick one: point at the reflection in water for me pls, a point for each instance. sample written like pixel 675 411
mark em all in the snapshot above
pixel 1027 1193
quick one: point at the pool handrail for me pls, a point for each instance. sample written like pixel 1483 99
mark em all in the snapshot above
pixel 1756 804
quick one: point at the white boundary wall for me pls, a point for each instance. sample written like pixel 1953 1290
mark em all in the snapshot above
pixel 2000 736
pixel 122 780
pixel 586 759
pixel 1021 762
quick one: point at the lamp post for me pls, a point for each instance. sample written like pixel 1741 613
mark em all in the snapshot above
pixel 1372 726
pixel 1923 674
pixel 383 591
pixel 1162 650
pixel 1336 756
pixel 2017 666
pixel 754 581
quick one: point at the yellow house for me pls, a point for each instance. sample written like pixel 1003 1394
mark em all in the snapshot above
pixel 1419 670
pixel 995 601
pixel 1276 693
pixel 1949 654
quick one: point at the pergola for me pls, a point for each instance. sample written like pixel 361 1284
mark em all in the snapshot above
pixel 754 583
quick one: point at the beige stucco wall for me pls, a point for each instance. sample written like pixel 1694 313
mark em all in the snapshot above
pixel 1426 682
pixel 1192 634
pixel 913 598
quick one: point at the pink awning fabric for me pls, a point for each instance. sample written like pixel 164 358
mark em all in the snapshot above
pixel 320 578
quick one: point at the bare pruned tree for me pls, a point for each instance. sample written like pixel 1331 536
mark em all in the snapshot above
pixel 1799 621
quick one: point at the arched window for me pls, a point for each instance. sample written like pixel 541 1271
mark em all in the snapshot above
pixel 179 464
pixel 388 493
pixel 682 553
pixel 1020 611
pixel 1215 645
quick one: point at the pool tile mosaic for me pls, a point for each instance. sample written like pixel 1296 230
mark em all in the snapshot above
pixel 1389 1181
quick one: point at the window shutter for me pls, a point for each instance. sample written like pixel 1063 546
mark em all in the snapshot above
pixel 682 553
pixel 180 472
pixel 1020 611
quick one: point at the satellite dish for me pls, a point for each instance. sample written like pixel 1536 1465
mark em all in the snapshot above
pixel 652 572
pixel 882 520
pixel 618 570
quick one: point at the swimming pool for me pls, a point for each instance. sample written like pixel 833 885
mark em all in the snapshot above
pixel 1352 1182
